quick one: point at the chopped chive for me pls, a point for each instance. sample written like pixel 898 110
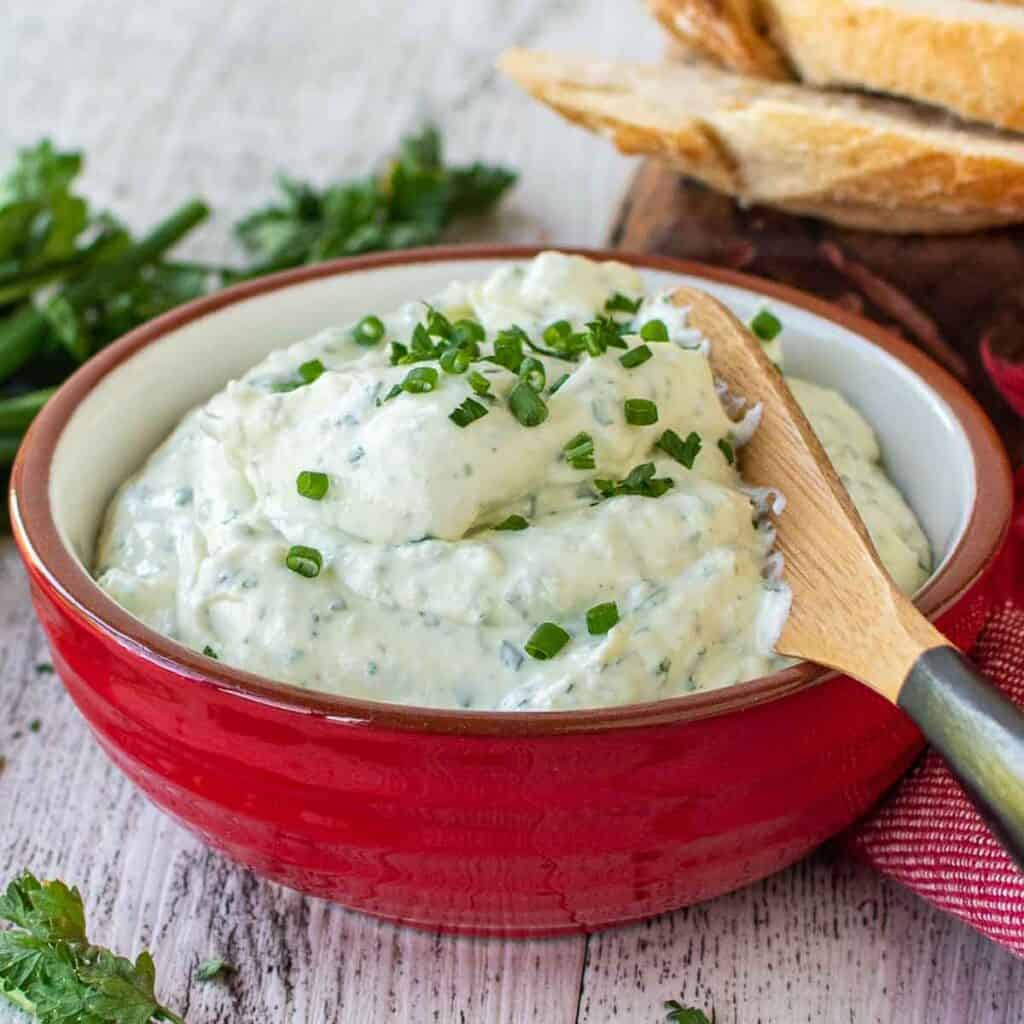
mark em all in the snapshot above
pixel 546 641
pixel 766 326
pixel 466 333
pixel 654 330
pixel 635 357
pixel 513 523
pixel 579 452
pixel 468 412
pixel 608 332
pixel 209 652
pixel 393 393
pixel 369 331
pixel 601 618
pixel 398 352
pixel 527 406
pixel 640 412
pixel 684 452
pixel 311 484
pixel 558 383
pixel 438 325
pixel 305 561
pixel 508 348
pixel 555 334
pixel 641 481
pixel 479 383
pixel 311 370
pixel 620 303
pixel 420 345
pixel 455 360
pixel 531 371
pixel 420 380
pixel 725 446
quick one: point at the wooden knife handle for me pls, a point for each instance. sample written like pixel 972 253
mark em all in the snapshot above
pixel 978 731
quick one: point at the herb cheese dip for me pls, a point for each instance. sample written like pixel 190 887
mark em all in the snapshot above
pixel 520 495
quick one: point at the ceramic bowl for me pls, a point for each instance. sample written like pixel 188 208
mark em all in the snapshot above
pixel 486 822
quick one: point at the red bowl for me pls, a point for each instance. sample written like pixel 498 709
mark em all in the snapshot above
pixel 485 822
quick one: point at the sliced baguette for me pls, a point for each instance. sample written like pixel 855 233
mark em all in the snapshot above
pixel 964 55
pixel 873 164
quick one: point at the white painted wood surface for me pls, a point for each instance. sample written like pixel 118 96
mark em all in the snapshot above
pixel 213 96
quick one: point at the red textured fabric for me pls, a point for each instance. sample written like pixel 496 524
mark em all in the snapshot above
pixel 927 835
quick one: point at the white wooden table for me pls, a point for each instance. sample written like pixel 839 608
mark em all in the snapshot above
pixel 213 96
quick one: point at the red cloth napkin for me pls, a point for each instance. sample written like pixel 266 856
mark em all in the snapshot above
pixel 926 834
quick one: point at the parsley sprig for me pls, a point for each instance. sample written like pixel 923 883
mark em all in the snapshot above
pixel 49 968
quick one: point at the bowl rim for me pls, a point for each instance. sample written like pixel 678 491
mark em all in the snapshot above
pixel 45 553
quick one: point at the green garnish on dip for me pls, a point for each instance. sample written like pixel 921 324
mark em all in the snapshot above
pixel 531 371
pixel 579 452
pixel 684 452
pixel 311 484
pixel 468 412
pixel 311 370
pixel 304 561
pixel 420 380
pixel 654 330
pixel 766 326
pixel 527 406
pixel 209 652
pixel 479 383
pixel 640 412
pixel 602 617
pixel 455 360
pixel 636 357
pixel 369 331
pixel 726 448
pixel 558 383
pixel 641 482
pixel 546 641
pixel 620 303
pixel 513 523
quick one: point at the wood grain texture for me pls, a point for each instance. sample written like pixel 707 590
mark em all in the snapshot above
pixel 214 96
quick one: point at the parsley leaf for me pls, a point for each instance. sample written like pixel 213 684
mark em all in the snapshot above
pixel 49 969
pixel 409 203
pixel 679 1014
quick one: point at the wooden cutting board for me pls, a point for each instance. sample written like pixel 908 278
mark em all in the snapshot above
pixel 947 294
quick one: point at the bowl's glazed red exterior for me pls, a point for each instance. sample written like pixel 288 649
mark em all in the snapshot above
pixel 487 822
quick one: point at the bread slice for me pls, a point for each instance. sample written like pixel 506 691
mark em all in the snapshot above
pixel 964 55
pixel 868 163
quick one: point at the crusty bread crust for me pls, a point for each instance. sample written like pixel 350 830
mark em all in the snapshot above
pixel 964 55
pixel 728 31
pixel 873 164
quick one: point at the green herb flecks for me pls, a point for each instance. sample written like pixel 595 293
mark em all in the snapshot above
pixel 209 652
pixel 579 452
pixel 512 523
pixel 726 448
pixel 369 331
pixel 304 560
pixel 679 1014
pixel 602 618
pixel 49 969
pixel 684 452
pixel 640 482
pixel 766 326
pixel 620 303
pixel 635 357
pixel 654 330
pixel 527 406
pixel 546 641
pixel 532 372
pixel 312 484
pixel 479 383
pixel 640 412
pixel 213 969
pixel 468 412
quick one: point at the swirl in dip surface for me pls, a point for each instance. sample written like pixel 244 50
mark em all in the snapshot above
pixel 435 527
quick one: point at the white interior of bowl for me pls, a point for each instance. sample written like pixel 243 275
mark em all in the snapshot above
pixel 135 407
